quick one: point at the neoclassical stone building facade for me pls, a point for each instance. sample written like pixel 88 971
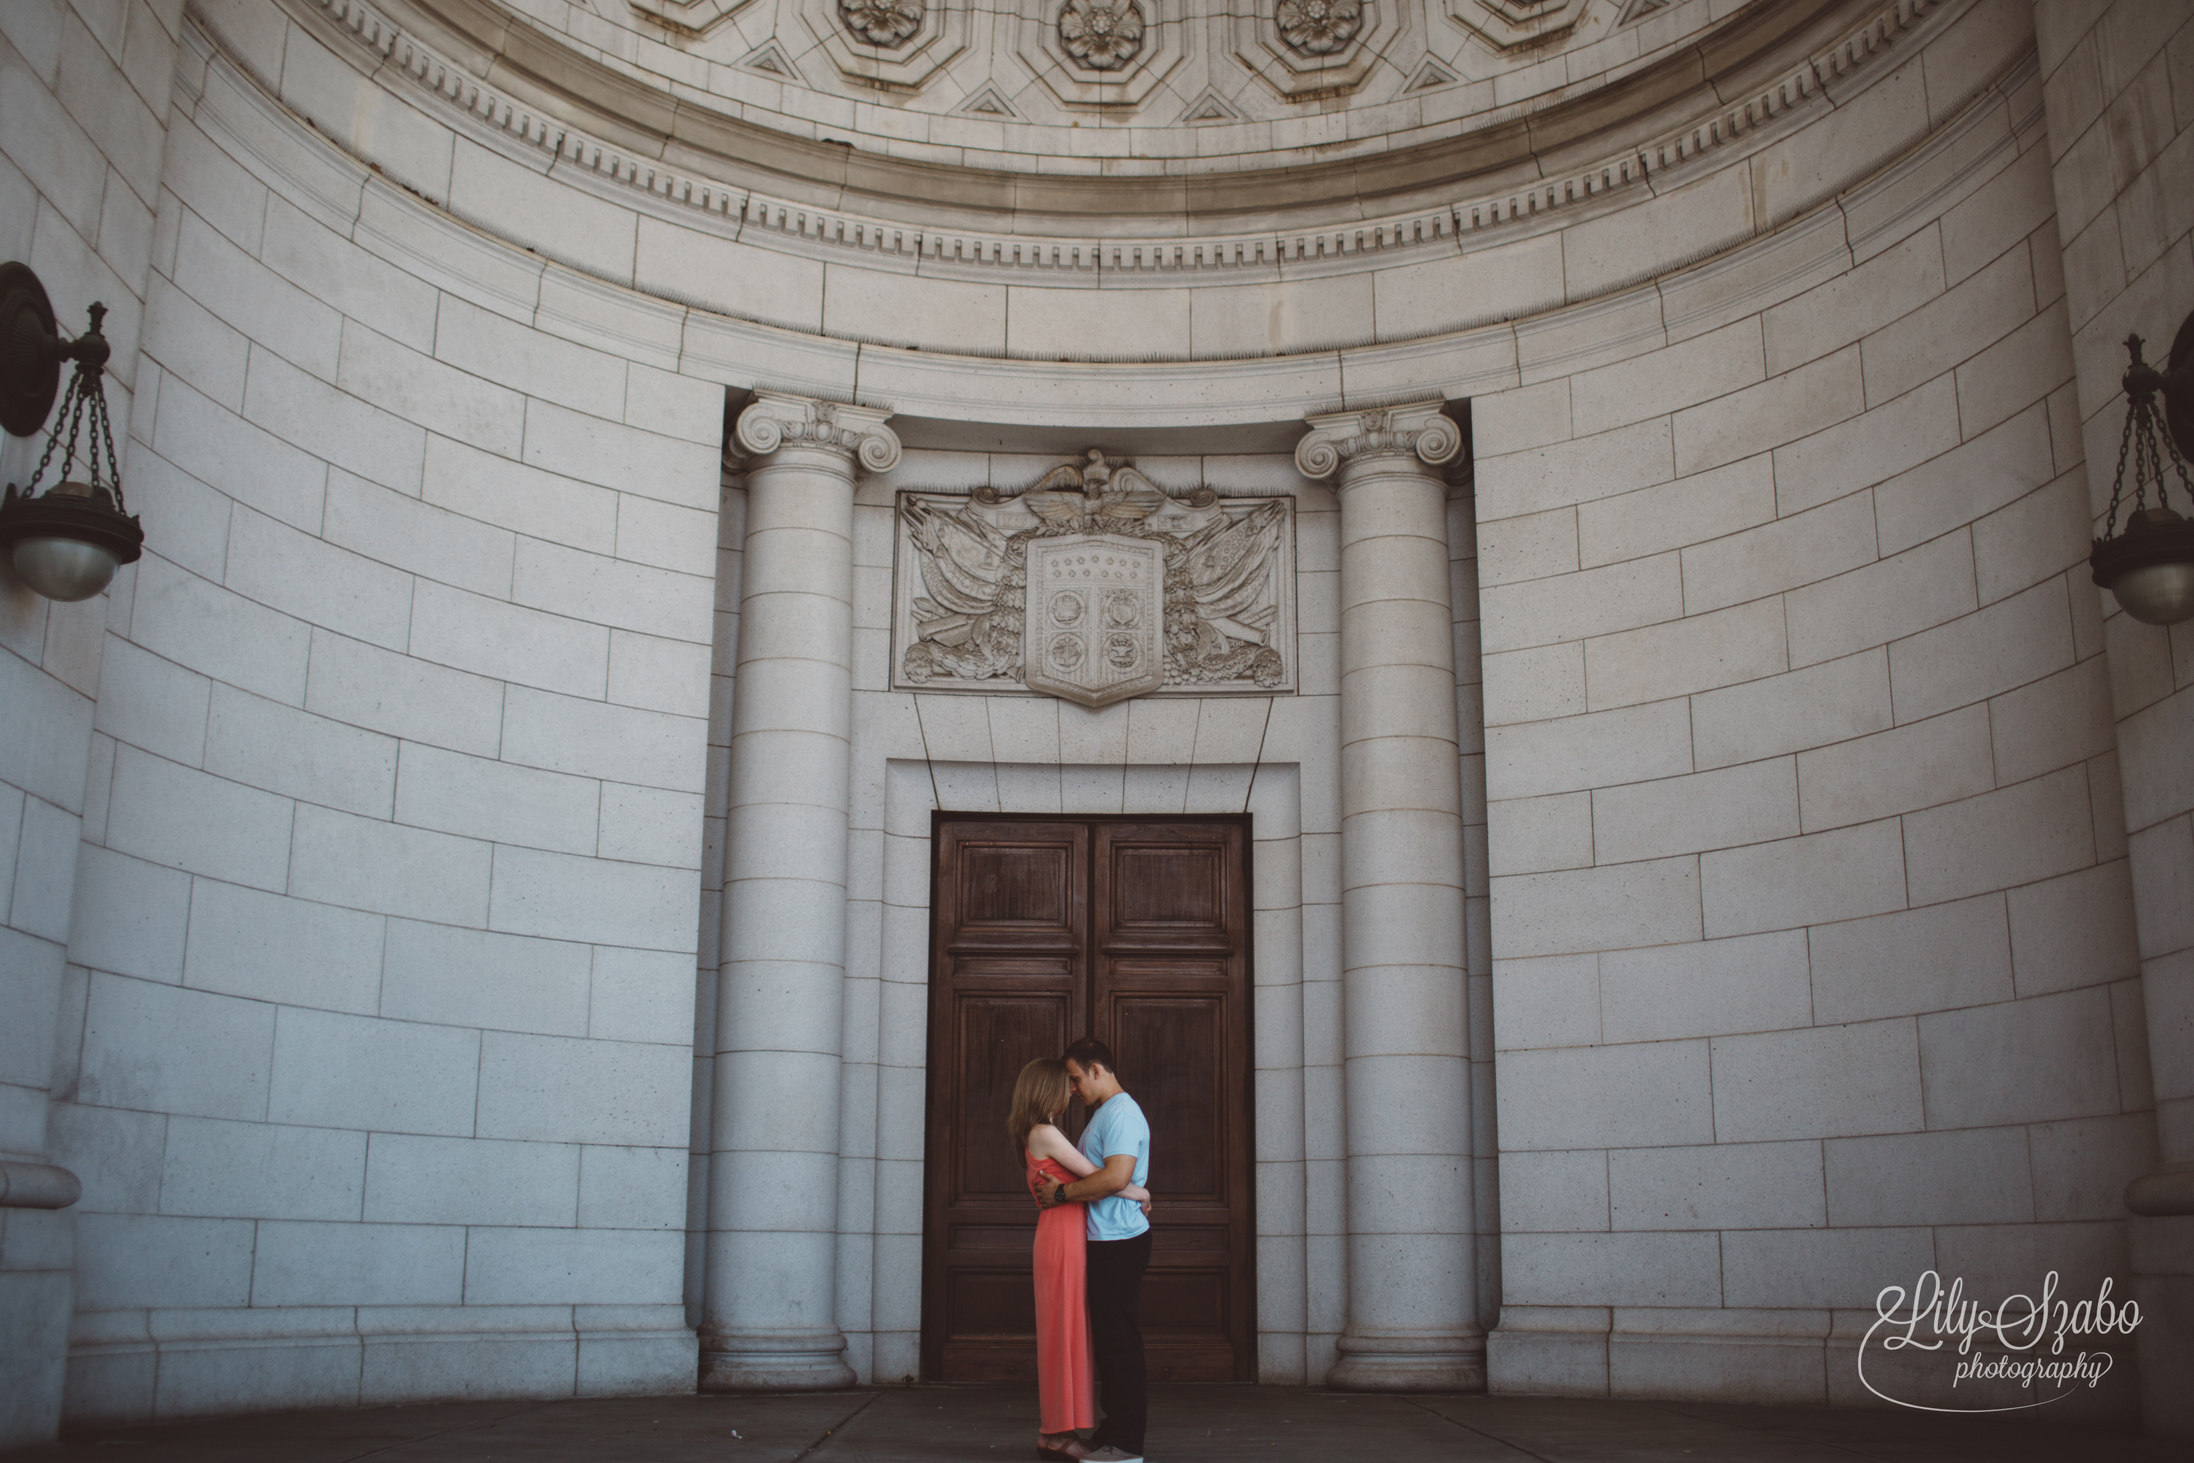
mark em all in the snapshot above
pixel 1494 590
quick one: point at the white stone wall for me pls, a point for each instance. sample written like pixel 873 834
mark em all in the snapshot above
pixel 2119 79
pixel 1812 937
pixel 1470 725
pixel 83 104
pixel 730 553
pixel 375 1051
pixel 399 842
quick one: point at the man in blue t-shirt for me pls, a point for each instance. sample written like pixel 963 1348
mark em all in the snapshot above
pixel 1117 1140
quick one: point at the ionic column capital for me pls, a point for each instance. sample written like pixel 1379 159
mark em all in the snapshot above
pixel 1421 429
pixel 777 419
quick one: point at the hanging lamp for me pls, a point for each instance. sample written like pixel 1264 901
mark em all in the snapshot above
pixel 2150 565
pixel 67 542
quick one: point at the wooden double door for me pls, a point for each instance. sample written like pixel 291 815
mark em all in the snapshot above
pixel 1135 931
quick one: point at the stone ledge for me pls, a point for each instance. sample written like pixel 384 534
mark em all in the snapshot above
pixel 136 1366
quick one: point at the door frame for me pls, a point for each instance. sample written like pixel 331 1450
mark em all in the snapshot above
pixel 1246 1361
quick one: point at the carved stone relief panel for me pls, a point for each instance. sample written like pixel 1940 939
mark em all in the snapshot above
pixel 1093 584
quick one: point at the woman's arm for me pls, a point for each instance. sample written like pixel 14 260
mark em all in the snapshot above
pixel 1136 1192
pixel 1046 1141
pixel 1117 1174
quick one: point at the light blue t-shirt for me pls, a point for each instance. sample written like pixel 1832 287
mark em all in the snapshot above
pixel 1118 1127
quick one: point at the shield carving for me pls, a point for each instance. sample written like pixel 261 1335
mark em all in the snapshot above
pixel 1096 617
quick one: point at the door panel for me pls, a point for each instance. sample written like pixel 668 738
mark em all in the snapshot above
pixel 1171 886
pixel 1168 1042
pixel 1170 961
pixel 1017 887
pixel 1136 931
pixel 996 1036
pixel 1008 982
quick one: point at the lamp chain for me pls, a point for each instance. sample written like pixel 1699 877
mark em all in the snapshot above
pixel 2141 439
pixel 2178 464
pixel 114 463
pixel 84 397
pixel 53 438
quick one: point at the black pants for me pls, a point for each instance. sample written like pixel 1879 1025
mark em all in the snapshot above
pixel 1116 1330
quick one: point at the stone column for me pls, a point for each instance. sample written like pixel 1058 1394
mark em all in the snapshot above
pixel 1412 1267
pixel 769 1309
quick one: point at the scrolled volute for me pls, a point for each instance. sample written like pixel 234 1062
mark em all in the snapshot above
pixel 1421 429
pixel 776 419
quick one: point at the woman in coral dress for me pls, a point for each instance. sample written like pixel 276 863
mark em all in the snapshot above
pixel 1064 1371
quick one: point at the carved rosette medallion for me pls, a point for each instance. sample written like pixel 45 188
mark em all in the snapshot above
pixel 1094 585
pixel 885 23
pixel 1103 35
pixel 1319 27
pixel 1096 607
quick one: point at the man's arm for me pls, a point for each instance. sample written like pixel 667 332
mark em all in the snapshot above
pixel 1117 1174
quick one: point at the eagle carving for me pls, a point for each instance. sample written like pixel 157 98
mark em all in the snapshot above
pixel 1095 584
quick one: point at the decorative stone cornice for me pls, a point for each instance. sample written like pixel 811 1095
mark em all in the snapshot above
pixel 775 419
pixel 696 194
pixel 1421 429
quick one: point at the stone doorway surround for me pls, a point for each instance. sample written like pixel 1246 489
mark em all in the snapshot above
pixel 1298 1170
pixel 1134 931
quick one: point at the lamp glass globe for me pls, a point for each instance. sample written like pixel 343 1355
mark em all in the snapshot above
pixel 64 568
pixel 2157 594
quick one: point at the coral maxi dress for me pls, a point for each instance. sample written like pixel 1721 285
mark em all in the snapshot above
pixel 1064 1374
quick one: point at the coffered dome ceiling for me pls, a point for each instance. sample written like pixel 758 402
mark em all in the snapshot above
pixel 1125 109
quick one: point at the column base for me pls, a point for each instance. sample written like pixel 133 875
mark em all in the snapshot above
pixel 776 1361
pixel 1449 1363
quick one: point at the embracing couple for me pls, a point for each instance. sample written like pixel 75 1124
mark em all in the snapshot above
pixel 1092 1246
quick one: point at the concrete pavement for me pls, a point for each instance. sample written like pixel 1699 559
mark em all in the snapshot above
pixel 1188 1425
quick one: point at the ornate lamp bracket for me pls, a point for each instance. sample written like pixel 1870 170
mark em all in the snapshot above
pixel 32 350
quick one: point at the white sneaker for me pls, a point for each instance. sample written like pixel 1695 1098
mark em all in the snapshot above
pixel 1110 1454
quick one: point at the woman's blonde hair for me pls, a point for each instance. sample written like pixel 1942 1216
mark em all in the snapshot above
pixel 1041 1090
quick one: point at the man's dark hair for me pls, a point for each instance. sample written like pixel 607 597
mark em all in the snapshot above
pixel 1090 1052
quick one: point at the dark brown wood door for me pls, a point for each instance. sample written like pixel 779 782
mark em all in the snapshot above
pixel 1136 931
